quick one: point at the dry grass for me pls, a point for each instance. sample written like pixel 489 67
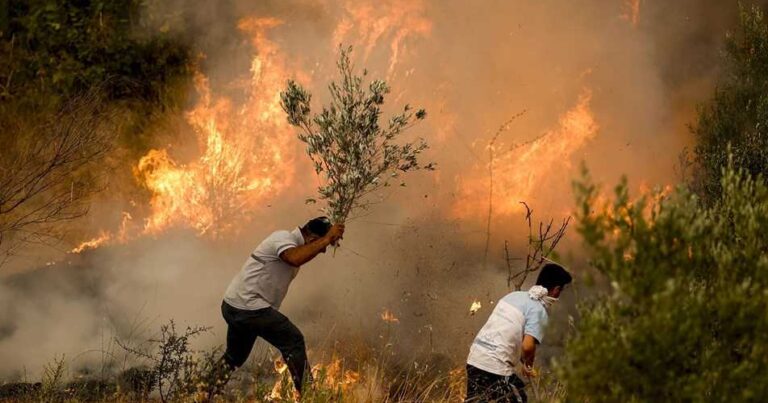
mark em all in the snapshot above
pixel 346 372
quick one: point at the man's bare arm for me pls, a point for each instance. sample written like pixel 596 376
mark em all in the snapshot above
pixel 529 353
pixel 302 254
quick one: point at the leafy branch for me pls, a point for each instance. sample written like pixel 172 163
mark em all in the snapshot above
pixel 353 152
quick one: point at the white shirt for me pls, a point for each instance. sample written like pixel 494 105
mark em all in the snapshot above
pixel 498 346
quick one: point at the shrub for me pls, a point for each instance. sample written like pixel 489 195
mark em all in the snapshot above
pixel 735 121
pixel 685 319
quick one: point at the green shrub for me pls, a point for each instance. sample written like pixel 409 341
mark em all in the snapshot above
pixel 738 113
pixel 54 49
pixel 685 319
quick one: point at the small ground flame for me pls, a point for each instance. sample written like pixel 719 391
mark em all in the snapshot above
pixel 93 243
pixel 389 317
pixel 331 376
pixel 476 305
pixel 105 237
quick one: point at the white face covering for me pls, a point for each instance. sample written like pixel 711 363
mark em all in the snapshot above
pixel 540 294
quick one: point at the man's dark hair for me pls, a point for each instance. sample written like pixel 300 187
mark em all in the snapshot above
pixel 553 275
pixel 318 226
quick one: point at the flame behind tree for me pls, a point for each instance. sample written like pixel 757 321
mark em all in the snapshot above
pixel 353 153
pixel 241 145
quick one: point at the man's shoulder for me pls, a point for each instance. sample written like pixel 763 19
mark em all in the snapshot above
pixel 281 236
pixel 281 233
pixel 266 247
pixel 516 297
pixel 525 303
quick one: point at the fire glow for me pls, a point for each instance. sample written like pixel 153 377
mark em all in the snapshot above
pixel 519 170
pixel 246 155
pixel 245 151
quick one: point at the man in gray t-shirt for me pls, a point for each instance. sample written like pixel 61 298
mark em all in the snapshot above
pixel 252 300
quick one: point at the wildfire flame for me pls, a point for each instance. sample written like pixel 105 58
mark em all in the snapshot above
pixel 476 305
pixel 368 23
pixel 245 151
pixel 519 170
pixel 631 11
pixel 334 375
pixel 331 376
pixel 104 237
pixel 93 243
pixel 389 317
pixel 246 154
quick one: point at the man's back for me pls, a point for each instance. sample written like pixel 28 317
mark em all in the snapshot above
pixel 496 349
pixel 264 278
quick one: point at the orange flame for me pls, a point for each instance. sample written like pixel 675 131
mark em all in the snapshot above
pixel 331 376
pixel 519 170
pixel 105 237
pixel 245 151
pixel 246 154
pixel 389 317
pixel 93 243
pixel 366 24
pixel 631 11
pixel 335 376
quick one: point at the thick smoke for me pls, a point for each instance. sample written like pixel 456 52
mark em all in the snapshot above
pixel 473 66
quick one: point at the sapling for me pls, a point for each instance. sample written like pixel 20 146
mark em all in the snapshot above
pixel 352 151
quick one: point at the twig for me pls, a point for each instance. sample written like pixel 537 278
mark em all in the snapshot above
pixel 504 127
pixel 539 248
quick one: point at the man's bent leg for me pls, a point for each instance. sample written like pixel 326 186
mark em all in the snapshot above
pixel 278 330
pixel 240 340
pixel 240 336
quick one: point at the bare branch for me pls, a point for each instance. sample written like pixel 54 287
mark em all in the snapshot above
pixel 45 170
pixel 491 144
pixel 540 247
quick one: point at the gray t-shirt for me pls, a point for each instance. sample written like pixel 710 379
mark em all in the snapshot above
pixel 264 279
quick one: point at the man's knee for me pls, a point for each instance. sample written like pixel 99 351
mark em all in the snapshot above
pixel 296 344
pixel 234 360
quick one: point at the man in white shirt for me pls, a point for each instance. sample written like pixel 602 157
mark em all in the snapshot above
pixel 506 345
pixel 252 300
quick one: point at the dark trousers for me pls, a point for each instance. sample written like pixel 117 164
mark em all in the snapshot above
pixel 484 386
pixel 244 327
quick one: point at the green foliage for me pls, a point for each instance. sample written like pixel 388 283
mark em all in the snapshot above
pixel 354 153
pixel 53 49
pixel 738 113
pixel 686 317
